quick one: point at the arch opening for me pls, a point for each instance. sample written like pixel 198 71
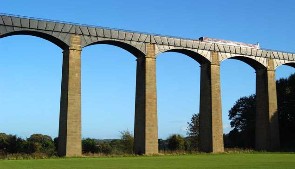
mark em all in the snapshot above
pixel 291 64
pixel 251 62
pixel 108 87
pixel 195 56
pixel 131 49
pixel 178 91
pixel 30 86
pixel 266 93
pixel 238 84
pixel 285 76
pixel 41 35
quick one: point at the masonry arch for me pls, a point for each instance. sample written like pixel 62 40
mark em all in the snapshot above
pixel 285 70
pixel 123 45
pixel 266 131
pixel 249 61
pixel 286 104
pixel 38 34
pixel 291 64
pixel 108 87
pixel 30 84
pixel 178 86
pixel 192 54
pixel 238 80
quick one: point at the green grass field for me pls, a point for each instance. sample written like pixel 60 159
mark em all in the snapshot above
pixel 259 160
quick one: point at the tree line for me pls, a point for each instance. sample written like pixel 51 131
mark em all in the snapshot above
pixel 242 135
pixel 38 145
pixel 43 146
pixel 35 144
pixel 242 120
pixel 242 116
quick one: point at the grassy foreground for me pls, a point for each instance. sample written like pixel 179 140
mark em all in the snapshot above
pixel 259 160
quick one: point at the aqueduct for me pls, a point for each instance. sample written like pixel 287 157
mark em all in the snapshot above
pixel 72 38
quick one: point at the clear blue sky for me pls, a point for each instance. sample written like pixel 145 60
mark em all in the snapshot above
pixel 30 68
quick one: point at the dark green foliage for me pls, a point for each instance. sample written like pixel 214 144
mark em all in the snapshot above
pixel 36 143
pixel 242 116
pixel 89 146
pixel 3 143
pixel 114 146
pixel 55 141
pixel 162 145
pixel 127 142
pixel 39 143
pixel 104 148
pixel 286 110
pixel 96 146
pixel 193 132
pixel 176 143
pixel 10 143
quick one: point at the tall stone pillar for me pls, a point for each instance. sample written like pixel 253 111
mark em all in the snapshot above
pixel 211 131
pixel 146 123
pixel 267 123
pixel 70 104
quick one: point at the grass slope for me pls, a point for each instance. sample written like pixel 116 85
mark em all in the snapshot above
pixel 219 161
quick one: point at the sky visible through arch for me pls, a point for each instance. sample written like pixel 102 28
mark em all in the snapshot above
pixel 30 68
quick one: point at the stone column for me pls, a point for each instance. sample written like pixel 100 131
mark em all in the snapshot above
pixel 267 123
pixel 146 123
pixel 70 104
pixel 211 131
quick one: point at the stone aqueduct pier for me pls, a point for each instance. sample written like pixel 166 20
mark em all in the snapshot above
pixel 72 38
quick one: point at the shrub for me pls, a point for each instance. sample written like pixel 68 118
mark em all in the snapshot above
pixel 176 142
pixel 38 143
pixel 127 142
pixel 89 146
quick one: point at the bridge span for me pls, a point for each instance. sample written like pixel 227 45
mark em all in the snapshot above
pixel 72 38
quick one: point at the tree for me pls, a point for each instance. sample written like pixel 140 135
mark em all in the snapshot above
pixel 193 132
pixel 4 142
pixel 176 142
pixel 89 146
pixel 55 141
pixel 38 143
pixel 11 144
pixel 116 146
pixel 127 142
pixel 242 116
pixel 162 145
pixel 104 147
pixel 286 111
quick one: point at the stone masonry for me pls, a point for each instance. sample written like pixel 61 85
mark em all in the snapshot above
pixel 71 38
pixel 146 123
pixel 267 127
pixel 211 132
pixel 70 104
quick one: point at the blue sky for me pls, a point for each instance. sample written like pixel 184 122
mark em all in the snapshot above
pixel 30 68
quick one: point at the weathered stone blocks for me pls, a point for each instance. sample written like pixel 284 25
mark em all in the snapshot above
pixel 70 104
pixel 146 123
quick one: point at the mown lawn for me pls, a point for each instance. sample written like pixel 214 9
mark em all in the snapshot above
pixel 260 160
